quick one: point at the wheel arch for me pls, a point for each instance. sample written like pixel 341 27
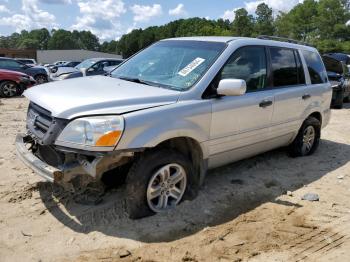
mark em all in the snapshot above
pixel 317 115
pixel 190 148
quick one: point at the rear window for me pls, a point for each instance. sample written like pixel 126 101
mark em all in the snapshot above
pixel 317 71
pixel 333 65
pixel 286 67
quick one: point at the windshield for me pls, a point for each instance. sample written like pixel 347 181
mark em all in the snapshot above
pixel 86 63
pixel 174 64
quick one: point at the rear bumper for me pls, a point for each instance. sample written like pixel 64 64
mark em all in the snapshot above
pixel 44 170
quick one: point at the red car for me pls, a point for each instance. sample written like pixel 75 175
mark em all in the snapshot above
pixel 13 83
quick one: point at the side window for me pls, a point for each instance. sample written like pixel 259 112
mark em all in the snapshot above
pixel 284 67
pixel 99 66
pixel 10 64
pixel 113 63
pixel 247 63
pixel 316 68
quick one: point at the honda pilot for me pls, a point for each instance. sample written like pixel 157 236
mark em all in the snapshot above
pixel 173 111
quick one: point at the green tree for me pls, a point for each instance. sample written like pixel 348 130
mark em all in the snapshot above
pixel 300 22
pixel 243 24
pixel 62 39
pixel 264 20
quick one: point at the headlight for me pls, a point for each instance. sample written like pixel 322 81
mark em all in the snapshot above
pixel 93 133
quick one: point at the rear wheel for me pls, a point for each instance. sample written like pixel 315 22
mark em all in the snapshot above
pixel 41 79
pixel 9 89
pixel 308 138
pixel 157 182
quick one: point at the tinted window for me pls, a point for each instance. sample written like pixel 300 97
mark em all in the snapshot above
pixel 249 64
pixel 316 68
pixel 284 67
pixel 333 65
pixel 9 64
pixel 112 63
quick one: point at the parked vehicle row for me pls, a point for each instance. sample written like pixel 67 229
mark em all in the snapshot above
pixel 89 67
pixel 58 71
pixel 175 110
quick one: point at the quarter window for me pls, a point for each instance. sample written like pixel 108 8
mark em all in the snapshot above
pixel 318 74
pixel 249 64
pixel 285 71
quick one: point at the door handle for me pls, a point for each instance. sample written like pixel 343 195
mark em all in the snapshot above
pixel 265 103
pixel 306 96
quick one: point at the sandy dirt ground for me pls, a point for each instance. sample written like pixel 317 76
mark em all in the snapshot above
pixel 247 211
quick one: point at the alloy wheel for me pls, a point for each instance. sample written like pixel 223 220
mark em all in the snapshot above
pixel 41 79
pixel 9 89
pixel 166 187
pixel 308 139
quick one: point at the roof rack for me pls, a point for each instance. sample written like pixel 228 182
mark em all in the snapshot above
pixel 282 39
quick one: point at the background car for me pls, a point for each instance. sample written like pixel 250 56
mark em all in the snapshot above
pixel 27 61
pixel 109 69
pixel 345 58
pixel 339 76
pixel 13 83
pixel 56 63
pixel 38 73
pixel 89 67
pixel 72 64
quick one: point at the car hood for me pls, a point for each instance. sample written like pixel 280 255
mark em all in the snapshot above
pixel 97 95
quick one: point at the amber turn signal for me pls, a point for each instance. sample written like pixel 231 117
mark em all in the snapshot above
pixel 109 139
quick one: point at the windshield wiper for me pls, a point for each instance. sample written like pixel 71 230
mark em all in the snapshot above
pixel 145 82
pixel 139 81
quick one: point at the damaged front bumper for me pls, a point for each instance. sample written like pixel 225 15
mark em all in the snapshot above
pixel 80 165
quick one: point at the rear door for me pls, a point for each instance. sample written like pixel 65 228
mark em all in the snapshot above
pixel 290 91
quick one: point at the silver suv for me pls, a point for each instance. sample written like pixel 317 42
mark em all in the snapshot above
pixel 174 110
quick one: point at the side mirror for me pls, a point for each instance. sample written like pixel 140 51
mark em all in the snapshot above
pixel 232 87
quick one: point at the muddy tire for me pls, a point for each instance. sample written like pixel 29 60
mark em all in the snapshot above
pixel 308 138
pixel 153 184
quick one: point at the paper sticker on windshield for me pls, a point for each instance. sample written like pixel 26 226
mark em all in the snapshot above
pixel 191 66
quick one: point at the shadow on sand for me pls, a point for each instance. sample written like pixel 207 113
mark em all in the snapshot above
pixel 228 192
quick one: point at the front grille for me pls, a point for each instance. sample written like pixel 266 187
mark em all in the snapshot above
pixel 39 120
pixel 42 126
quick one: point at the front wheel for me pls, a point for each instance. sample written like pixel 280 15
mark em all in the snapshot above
pixel 157 182
pixel 41 79
pixel 9 89
pixel 308 138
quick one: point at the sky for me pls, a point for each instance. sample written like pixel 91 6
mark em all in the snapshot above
pixel 110 19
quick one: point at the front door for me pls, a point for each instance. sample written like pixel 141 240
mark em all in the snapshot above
pixel 241 123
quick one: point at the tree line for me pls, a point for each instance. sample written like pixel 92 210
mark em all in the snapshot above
pixel 321 23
